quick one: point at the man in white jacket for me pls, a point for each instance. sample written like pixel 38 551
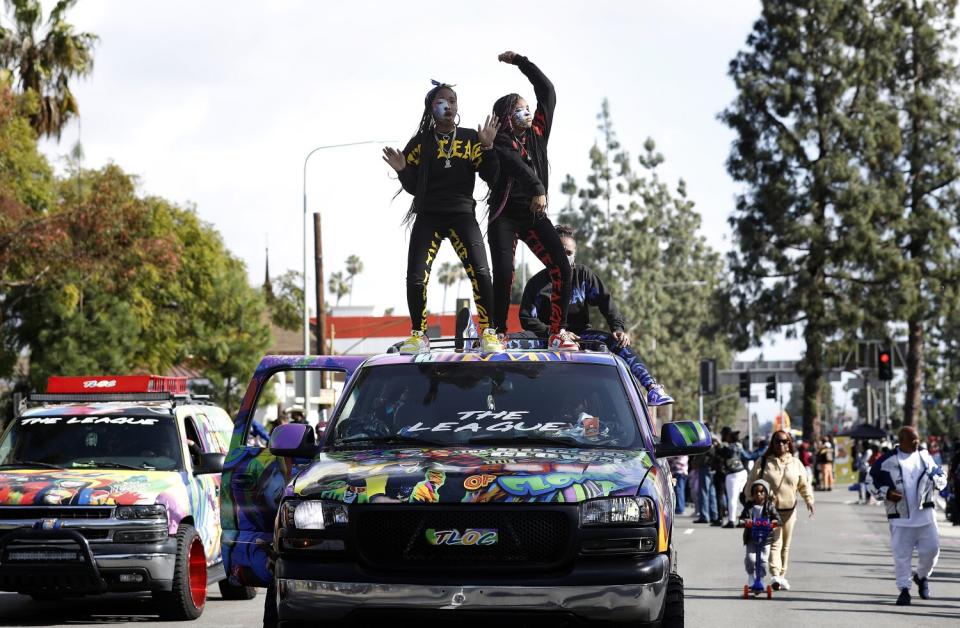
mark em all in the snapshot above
pixel 905 480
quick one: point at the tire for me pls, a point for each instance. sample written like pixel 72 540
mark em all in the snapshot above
pixel 673 605
pixel 270 617
pixel 189 594
pixel 236 592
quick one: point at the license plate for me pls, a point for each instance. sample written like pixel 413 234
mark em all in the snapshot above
pixel 44 555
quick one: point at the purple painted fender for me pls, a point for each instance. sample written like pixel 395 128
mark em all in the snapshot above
pixel 254 479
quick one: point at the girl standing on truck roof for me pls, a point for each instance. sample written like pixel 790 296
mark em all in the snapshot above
pixel 518 201
pixel 438 168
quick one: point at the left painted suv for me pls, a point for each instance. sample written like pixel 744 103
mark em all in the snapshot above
pixel 113 484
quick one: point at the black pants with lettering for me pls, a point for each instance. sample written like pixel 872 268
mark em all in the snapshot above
pixel 539 234
pixel 428 233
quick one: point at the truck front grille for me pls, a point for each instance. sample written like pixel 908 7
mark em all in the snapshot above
pixel 396 537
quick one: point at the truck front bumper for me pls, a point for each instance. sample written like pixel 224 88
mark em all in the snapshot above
pixel 636 594
pixel 63 561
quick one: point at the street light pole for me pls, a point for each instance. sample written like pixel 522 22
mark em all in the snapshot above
pixel 306 263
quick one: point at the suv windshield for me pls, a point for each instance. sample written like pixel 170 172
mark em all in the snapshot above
pixel 500 403
pixel 138 442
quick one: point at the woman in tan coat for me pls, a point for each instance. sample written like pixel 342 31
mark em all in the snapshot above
pixel 786 476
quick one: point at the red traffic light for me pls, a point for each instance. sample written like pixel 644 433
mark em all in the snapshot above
pixel 884 357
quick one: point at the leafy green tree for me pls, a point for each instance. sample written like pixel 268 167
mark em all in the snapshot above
pixel 812 227
pixel 651 231
pixel 287 300
pixel 923 174
pixel 45 57
pixel 353 267
pixel 337 285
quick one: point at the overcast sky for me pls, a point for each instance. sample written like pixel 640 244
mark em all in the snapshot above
pixel 217 103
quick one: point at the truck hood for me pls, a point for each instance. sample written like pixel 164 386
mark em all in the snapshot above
pixel 88 487
pixel 472 475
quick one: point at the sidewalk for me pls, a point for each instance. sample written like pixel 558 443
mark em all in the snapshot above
pixel 840 571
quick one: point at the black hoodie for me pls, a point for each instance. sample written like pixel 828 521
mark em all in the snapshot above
pixel 523 157
pixel 448 190
pixel 587 290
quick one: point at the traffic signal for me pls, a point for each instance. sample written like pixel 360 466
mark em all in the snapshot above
pixel 884 365
pixel 744 385
pixel 708 376
pixel 771 387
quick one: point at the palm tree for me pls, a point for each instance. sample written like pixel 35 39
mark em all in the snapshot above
pixel 450 273
pixel 45 57
pixel 354 268
pixel 337 285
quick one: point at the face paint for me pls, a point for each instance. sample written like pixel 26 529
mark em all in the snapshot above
pixel 522 118
pixel 441 108
pixel 570 258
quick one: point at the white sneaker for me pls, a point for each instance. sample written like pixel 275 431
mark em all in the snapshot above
pixel 775 583
pixel 784 584
pixel 416 343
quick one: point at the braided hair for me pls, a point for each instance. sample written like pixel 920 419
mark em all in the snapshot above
pixel 428 148
pixel 504 107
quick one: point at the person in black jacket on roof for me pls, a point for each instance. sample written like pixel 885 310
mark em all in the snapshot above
pixel 438 167
pixel 587 290
pixel 518 201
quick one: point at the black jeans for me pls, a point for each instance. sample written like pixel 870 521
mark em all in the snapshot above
pixel 429 231
pixel 539 234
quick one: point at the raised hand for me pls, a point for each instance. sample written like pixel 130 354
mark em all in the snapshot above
pixel 538 205
pixel 488 132
pixel 508 57
pixel 395 158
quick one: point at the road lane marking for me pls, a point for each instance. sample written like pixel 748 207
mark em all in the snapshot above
pixel 688 531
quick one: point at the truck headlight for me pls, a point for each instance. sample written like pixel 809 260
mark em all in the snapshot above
pixel 152 511
pixel 618 511
pixel 312 514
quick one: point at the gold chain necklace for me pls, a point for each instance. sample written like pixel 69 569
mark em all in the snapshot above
pixel 449 152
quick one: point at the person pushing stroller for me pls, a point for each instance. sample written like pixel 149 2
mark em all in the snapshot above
pixel 760 519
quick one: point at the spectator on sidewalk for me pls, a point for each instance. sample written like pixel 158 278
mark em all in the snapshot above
pixel 693 483
pixel 825 457
pixel 708 490
pixel 905 479
pixel 862 466
pixel 678 466
pixel 786 476
pixel 955 484
pixel 735 474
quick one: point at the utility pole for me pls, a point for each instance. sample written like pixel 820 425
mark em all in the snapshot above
pixel 318 271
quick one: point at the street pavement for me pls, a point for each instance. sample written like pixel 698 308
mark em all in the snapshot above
pixel 841 574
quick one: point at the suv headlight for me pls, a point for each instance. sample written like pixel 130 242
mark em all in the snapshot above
pixel 613 511
pixel 153 511
pixel 313 514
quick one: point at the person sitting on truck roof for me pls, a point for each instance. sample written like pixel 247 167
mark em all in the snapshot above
pixel 588 290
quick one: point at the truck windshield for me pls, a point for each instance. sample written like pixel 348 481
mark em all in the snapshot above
pixel 500 403
pixel 137 442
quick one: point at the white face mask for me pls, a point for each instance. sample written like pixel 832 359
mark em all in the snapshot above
pixel 522 118
pixel 570 258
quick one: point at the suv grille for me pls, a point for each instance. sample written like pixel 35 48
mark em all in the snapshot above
pixel 528 538
pixel 56 512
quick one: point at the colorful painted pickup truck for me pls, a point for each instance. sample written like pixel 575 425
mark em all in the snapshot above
pixel 528 482
pixel 113 484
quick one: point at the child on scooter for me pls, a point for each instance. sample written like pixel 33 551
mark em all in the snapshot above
pixel 759 512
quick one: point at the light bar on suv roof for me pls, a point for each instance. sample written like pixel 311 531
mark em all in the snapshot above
pixel 116 384
pixel 92 397
pixel 512 344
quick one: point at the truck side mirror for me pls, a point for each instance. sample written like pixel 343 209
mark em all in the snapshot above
pixel 683 438
pixel 296 440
